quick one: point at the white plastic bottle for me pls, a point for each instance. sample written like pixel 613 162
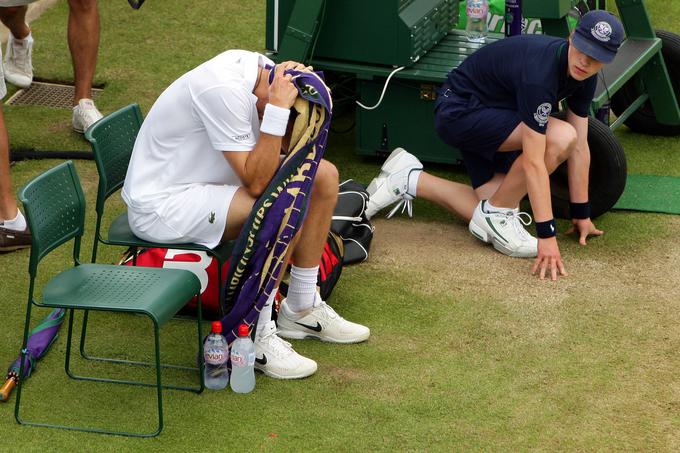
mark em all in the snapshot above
pixel 215 355
pixel 243 362
pixel 477 28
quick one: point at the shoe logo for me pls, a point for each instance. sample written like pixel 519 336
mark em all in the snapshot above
pixel 263 360
pixel 211 217
pixel 316 328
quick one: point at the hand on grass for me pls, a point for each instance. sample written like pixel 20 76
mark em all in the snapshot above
pixel 585 228
pixel 548 259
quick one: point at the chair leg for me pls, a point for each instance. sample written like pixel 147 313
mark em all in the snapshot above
pixel 69 338
pixel 159 385
pixel 20 383
pixel 201 363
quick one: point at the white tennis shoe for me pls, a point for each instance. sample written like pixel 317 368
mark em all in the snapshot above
pixel 320 322
pixel 505 230
pixel 85 114
pixel 276 357
pixel 18 64
pixel 392 183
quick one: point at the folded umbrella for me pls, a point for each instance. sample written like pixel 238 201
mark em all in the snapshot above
pixel 39 341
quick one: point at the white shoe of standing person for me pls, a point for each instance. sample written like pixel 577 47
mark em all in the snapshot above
pixel 18 66
pixel 85 114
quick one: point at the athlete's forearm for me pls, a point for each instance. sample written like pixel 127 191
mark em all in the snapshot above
pixel 536 173
pixel 578 169
pixel 261 164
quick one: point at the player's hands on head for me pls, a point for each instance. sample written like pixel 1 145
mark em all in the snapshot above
pixel 548 261
pixel 282 92
pixel 584 228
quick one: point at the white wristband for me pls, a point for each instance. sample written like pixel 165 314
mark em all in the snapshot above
pixel 274 120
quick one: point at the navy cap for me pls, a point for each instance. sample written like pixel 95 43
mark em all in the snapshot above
pixel 599 35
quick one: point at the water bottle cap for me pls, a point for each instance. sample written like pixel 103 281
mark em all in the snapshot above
pixel 243 330
pixel 216 327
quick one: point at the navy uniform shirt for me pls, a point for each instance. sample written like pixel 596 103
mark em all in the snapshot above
pixel 526 73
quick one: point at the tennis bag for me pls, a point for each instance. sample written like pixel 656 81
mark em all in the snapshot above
pixel 350 221
pixel 204 267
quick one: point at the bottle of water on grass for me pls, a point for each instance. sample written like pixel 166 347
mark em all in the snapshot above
pixel 215 355
pixel 477 28
pixel 243 362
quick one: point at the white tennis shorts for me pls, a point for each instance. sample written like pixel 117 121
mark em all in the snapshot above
pixel 196 214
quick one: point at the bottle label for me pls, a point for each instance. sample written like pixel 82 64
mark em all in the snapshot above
pixel 477 9
pixel 237 359
pixel 215 356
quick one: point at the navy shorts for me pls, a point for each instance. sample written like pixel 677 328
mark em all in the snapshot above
pixel 477 131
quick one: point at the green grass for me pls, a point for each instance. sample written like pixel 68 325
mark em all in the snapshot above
pixel 456 361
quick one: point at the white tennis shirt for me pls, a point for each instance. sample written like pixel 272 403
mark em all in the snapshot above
pixel 208 110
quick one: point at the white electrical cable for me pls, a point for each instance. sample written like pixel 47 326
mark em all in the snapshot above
pixel 383 91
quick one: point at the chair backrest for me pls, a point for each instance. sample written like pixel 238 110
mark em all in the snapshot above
pixel 55 210
pixel 112 139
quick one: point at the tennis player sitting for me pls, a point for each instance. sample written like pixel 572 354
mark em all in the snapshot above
pixel 495 108
pixel 207 149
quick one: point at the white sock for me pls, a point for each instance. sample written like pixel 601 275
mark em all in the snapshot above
pixel 413 181
pixel 21 42
pixel 17 224
pixel 265 313
pixel 302 289
pixel 488 207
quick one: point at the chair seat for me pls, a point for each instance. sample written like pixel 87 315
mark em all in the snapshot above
pixel 120 234
pixel 159 293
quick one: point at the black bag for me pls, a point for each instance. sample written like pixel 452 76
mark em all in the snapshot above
pixel 350 221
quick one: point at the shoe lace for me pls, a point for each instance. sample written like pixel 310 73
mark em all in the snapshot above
pixel 405 204
pixel 279 346
pixel 519 220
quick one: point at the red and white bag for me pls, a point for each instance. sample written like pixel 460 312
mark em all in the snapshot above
pixel 200 263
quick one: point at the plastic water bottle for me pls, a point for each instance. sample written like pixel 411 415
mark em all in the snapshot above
pixel 243 362
pixel 476 28
pixel 215 355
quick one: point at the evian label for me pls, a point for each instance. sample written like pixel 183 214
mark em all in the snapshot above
pixel 215 356
pixel 477 9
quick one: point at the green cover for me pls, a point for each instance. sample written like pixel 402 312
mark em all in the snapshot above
pixel 651 193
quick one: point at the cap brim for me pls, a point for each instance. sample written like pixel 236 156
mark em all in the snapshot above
pixel 594 51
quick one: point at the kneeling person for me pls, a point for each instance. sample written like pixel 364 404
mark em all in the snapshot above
pixel 207 149
pixel 495 107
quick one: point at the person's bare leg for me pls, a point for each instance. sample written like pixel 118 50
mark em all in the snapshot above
pixel 8 204
pixel 315 228
pixel 14 18
pixel 560 142
pixel 457 198
pixel 83 42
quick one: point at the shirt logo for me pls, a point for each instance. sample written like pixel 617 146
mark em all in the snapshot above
pixel 240 138
pixel 543 113
pixel 211 217
pixel 602 31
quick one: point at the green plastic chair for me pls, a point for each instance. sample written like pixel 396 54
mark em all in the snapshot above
pixel 112 139
pixel 55 209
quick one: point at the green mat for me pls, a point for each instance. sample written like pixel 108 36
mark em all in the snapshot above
pixel 651 193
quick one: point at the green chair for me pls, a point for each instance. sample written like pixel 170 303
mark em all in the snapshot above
pixel 112 139
pixel 55 209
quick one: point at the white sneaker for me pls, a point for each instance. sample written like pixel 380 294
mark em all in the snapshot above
pixel 320 322
pixel 391 184
pixel 276 357
pixel 505 230
pixel 85 114
pixel 18 66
